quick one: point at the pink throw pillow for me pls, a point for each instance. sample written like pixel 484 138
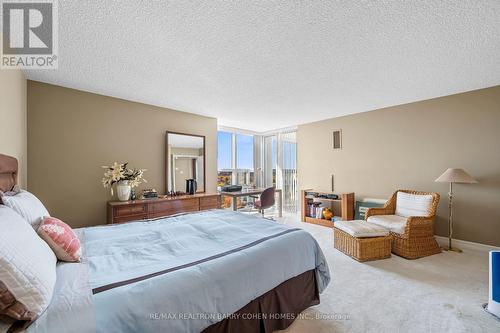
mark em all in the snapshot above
pixel 61 239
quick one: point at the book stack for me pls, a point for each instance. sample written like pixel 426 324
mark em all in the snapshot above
pixel 315 210
pixel 311 210
pixel 319 212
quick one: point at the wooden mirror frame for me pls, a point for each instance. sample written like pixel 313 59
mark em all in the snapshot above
pixel 204 159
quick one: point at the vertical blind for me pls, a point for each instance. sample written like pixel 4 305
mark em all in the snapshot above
pixel 287 156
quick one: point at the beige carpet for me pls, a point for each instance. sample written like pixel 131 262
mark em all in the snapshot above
pixel 440 293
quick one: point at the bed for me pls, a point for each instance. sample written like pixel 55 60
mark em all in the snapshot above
pixel 209 271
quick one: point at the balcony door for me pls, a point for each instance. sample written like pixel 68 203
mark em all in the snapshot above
pixel 280 166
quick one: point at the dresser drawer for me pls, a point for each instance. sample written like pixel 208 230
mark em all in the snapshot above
pixel 170 207
pixel 121 212
pixel 130 218
pixel 132 209
pixel 209 202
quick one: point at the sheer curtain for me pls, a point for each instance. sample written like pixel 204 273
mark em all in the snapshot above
pixel 278 161
pixel 287 170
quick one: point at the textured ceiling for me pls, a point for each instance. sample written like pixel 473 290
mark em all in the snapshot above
pixel 262 65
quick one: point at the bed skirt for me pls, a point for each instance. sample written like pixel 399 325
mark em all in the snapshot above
pixel 275 310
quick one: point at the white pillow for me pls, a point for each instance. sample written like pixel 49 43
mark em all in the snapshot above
pixel 27 268
pixel 28 206
pixel 413 204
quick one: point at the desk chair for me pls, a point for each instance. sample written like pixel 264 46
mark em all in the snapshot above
pixel 266 200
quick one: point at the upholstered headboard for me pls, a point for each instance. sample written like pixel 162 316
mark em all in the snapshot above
pixel 8 173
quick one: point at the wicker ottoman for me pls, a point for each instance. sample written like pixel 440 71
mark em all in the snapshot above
pixel 361 240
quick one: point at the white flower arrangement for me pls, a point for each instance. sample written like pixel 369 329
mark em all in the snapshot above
pixel 118 172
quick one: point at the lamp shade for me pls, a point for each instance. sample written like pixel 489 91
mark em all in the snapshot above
pixel 455 176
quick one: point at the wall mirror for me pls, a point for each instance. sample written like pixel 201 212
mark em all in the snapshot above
pixel 185 160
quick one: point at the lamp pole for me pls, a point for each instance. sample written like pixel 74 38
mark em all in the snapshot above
pixel 453 175
pixel 450 220
pixel 450 215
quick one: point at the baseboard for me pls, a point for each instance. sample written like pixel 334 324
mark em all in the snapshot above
pixel 443 241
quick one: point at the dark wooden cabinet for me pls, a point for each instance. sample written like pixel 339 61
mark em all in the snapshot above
pixel 120 212
pixel 209 202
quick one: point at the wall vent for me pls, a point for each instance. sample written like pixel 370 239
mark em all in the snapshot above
pixel 337 139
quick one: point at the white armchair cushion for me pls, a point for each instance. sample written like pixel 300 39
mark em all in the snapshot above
pixel 413 204
pixel 394 223
pixel 361 229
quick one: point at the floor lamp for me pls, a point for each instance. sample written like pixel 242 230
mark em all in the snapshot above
pixel 453 176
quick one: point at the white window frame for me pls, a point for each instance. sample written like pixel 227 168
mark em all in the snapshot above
pixel 234 153
pixel 258 155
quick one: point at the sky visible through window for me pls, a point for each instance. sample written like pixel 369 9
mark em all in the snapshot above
pixel 244 151
pixel 224 150
pixel 290 155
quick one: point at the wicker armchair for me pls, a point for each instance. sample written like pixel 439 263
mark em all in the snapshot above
pixel 418 238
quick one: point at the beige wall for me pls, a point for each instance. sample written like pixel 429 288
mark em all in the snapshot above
pixel 71 134
pixel 13 135
pixel 409 146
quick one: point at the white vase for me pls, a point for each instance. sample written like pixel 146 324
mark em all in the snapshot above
pixel 123 190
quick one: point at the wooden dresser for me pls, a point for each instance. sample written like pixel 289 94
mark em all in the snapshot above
pixel 120 212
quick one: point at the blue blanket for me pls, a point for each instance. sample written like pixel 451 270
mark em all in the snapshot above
pixel 185 273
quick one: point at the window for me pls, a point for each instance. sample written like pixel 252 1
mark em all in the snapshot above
pixel 244 159
pixel 235 159
pixel 224 158
pixel 270 160
pixel 280 166
pixel 259 160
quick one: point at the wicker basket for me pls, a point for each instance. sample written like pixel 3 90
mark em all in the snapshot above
pixel 362 249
